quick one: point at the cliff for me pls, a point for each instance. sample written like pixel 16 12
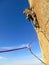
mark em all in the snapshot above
pixel 41 8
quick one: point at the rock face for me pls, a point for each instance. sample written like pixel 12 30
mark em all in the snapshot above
pixel 41 8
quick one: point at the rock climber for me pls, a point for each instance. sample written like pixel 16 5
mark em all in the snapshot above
pixel 31 16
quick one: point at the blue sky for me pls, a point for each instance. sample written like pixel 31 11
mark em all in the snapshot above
pixel 15 31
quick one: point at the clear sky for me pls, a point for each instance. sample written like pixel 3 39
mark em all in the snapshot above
pixel 15 31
